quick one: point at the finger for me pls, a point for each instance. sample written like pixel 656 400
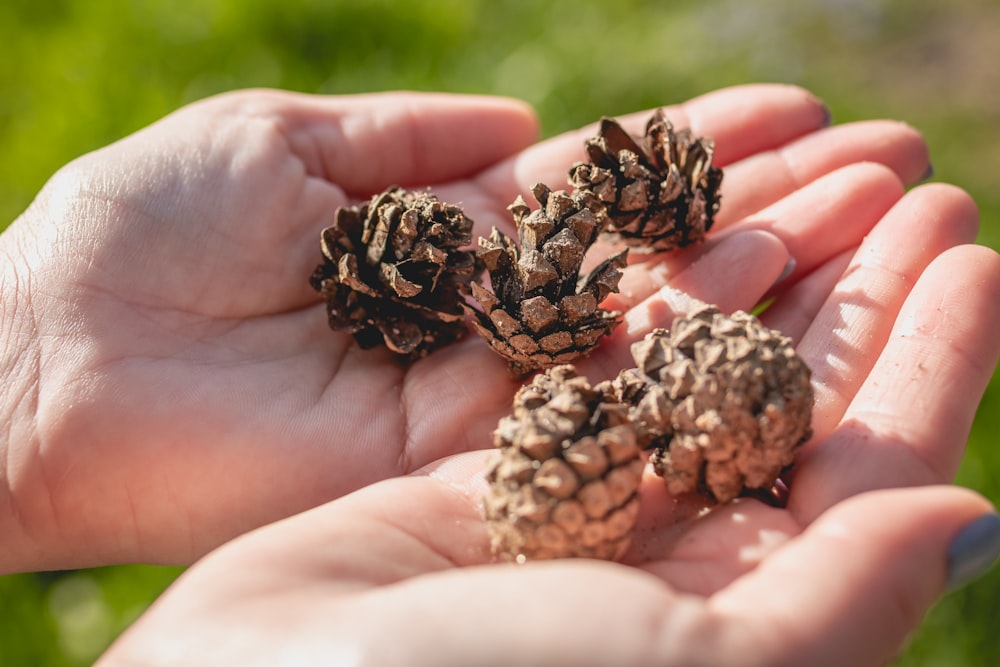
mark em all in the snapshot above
pixel 846 337
pixel 726 271
pixel 365 143
pixel 829 215
pixel 465 473
pixel 742 120
pixel 908 422
pixel 763 178
pixel 855 584
pixel 384 532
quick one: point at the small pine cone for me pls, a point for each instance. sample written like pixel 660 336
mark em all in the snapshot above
pixel 541 312
pixel 394 272
pixel 659 192
pixel 725 401
pixel 566 484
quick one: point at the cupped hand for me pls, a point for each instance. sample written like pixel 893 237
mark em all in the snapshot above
pixel 399 573
pixel 169 379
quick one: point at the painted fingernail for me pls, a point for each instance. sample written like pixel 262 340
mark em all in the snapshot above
pixel 929 174
pixel 974 550
pixel 827 115
pixel 785 272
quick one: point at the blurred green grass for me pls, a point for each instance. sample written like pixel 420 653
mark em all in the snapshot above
pixel 79 74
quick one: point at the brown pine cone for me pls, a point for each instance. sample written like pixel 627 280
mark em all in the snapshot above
pixel 394 271
pixel 659 192
pixel 567 480
pixel 541 313
pixel 725 401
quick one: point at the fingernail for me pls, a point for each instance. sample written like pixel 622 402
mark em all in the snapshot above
pixel 827 115
pixel 929 174
pixel 785 272
pixel 974 550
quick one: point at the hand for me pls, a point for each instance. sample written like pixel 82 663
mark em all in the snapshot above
pixel 398 574
pixel 168 375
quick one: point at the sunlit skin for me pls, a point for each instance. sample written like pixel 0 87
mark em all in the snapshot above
pixel 170 383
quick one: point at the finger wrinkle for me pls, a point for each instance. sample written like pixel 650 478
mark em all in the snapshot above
pixel 936 334
pixel 963 314
pixel 906 386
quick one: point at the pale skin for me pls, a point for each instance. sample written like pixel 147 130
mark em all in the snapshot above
pixel 170 383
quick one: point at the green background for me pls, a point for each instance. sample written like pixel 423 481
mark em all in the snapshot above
pixel 78 74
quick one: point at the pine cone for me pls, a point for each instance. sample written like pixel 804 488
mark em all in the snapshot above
pixel 725 401
pixel 541 312
pixel 567 480
pixel 659 192
pixel 394 274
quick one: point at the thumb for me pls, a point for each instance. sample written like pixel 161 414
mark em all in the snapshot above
pixel 367 142
pixel 859 579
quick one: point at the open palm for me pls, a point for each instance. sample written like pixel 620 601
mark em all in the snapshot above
pixel 188 388
pixel 902 339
